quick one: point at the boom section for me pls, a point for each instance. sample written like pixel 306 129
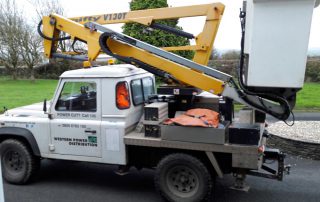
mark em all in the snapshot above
pixel 203 41
pixel 139 53
pixel 151 58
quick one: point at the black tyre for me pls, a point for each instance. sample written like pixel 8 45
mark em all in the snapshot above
pixel 18 162
pixel 182 177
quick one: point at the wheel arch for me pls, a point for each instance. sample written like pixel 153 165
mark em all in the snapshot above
pixel 20 133
pixel 141 156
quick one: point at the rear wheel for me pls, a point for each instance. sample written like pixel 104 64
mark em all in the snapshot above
pixel 182 177
pixel 18 162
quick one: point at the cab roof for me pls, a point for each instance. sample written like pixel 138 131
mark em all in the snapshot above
pixel 113 71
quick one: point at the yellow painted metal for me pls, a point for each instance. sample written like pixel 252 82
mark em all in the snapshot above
pixel 204 41
pixel 180 72
pixel 76 30
pixel 111 61
pixel 48 30
pixel 156 14
pixel 86 64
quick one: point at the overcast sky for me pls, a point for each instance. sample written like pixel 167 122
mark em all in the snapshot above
pixel 229 32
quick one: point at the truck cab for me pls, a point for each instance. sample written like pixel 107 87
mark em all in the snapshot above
pixel 93 108
pixel 88 116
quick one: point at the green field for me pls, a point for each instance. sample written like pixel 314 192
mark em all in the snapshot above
pixel 309 98
pixel 23 92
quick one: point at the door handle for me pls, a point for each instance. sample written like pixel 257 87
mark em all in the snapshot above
pixel 90 131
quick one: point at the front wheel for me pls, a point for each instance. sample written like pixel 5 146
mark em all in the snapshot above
pixel 182 177
pixel 18 162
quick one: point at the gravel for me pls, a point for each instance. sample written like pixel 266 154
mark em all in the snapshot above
pixel 307 131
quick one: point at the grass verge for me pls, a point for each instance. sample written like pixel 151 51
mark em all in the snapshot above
pixel 15 93
pixel 308 98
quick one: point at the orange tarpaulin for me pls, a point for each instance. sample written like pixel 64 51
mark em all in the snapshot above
pixel 196 117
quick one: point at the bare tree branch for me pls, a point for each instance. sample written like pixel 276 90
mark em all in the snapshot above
pixel 30 48
pixel 11 23
pixel 20 45
pixel 46 7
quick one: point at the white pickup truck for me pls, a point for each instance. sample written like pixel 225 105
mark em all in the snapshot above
pixel 95 116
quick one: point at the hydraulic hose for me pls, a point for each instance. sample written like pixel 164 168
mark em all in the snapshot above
pixel 50 38
pixel 282 101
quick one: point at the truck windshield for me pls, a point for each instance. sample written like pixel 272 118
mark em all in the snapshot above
pixel 77 96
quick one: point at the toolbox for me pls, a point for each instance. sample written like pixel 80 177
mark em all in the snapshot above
pixel 157 111
pixel 244 133
pixel 152 131
pixel 154 114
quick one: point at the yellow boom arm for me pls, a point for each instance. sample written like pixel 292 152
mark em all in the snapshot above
pixel 204 41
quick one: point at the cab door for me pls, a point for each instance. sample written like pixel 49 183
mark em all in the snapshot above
pixel 76 118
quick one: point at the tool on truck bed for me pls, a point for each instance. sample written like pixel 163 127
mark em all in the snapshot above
pixel 196 117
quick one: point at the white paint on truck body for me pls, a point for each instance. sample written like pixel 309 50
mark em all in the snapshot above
pixel 94 136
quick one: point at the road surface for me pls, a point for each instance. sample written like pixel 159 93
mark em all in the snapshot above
pixel 65 181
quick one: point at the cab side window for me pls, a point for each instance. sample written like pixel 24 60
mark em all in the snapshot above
pixel 78 96
pixel 141 89
pixel 137 95
pixel 148 87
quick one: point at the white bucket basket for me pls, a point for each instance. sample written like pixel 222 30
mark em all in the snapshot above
pixel 277 37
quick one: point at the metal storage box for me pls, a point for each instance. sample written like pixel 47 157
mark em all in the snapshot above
pixel 154 114
pixel 157 111
pixel 195 134
pixel 206 100
pixel 152 131
pixel 244 133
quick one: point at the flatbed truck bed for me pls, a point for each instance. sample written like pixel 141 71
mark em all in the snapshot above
pixel 139 139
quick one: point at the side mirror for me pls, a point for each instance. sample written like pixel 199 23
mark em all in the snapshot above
pixel 45 105
pixel 45 109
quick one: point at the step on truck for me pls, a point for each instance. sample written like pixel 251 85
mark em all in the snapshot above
pixel 185 130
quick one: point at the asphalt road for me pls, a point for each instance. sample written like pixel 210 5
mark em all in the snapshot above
pixel 65 181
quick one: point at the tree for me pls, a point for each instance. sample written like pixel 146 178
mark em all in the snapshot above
pixel 56 65
pixel 30 49
pixel 231 55
pixel 11 23
pixel 214 54
pixel 312 73
pixel 156 37
pixel 45 8
pixel 20 44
